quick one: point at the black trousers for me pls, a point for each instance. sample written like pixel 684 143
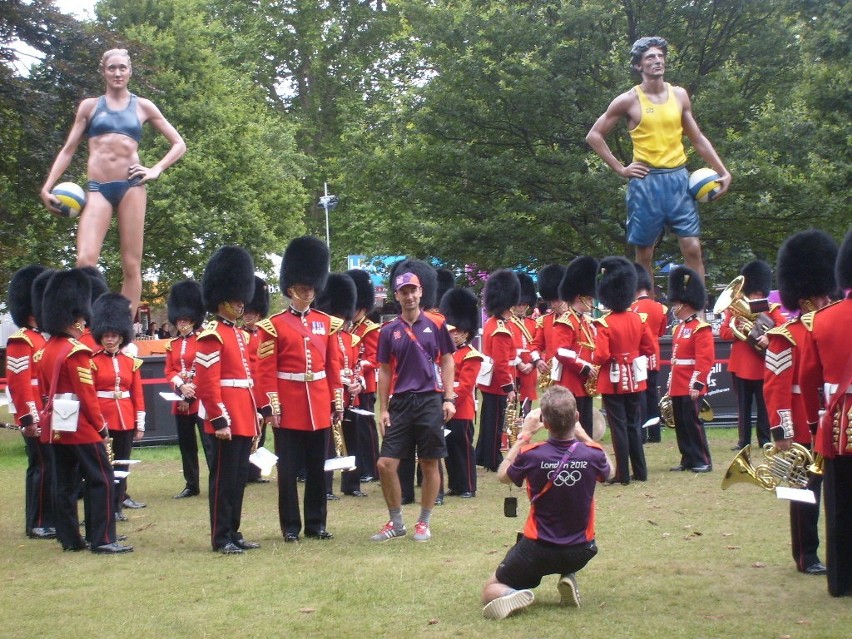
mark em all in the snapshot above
pixel 38 485
pixel 122 445
pixel 622 416
pixel 585 413
pixel 187 425
pixel 461 463
pixel 298 449
pixel 367 449
pixel 90 461
pixel 749 392
pixel 837 484
pixel 350 480
pixel 227 485
pixel 650 406
pixel 804 527
pixel 491 420
pixel 690 433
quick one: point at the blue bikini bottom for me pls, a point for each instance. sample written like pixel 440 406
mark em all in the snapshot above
pixel 113 191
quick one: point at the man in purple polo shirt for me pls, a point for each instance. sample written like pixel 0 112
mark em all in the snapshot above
pixel 559 536
pixel 415 356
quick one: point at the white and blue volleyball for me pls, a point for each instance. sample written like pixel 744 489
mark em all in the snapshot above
pixel 704 185
pixel 71 198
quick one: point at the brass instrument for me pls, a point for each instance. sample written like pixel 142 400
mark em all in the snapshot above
pixel 793 466
pixel 545 379
pixel 747 325
pixel 705 411
pixel 513 420
pixel 591 383
pixel 109 451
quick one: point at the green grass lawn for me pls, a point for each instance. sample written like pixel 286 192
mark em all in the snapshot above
pixel 678 557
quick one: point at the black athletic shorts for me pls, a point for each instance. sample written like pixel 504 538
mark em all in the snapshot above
pixel 528 561
pixel 415 419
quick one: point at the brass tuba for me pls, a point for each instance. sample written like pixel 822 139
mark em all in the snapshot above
pixel 748 325
pixel 705 411
pixel 793 466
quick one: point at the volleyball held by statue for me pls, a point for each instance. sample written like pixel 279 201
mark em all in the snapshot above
pixel 72 198
pixel 704 185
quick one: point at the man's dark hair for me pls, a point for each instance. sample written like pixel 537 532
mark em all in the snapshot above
pixel 643 44
pixel 559 411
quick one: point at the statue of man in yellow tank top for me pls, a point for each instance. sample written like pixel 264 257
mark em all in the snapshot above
pixel 658 114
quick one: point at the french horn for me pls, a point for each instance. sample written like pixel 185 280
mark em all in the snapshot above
pixel 793 467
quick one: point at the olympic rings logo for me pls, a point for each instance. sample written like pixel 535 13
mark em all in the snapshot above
pixel 565 477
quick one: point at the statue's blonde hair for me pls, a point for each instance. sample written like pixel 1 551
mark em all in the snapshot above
pixel 113 52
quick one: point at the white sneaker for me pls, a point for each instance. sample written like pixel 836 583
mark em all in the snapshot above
pixel 568 591
pixel 421 532
pixel 504 606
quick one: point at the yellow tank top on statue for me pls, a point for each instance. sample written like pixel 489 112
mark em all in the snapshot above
pixel 658 138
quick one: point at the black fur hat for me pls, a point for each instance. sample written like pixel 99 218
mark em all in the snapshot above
pixel 843 268
pixel 686 287
pixel 446 281
pixel 366 297
pixel 579 278
pixel 185 301
pixel 260 300
pixel 306 260
pixel 20 296
pixel 758 277
pixel 549 278
pixel 502 291
pixel 67 298
pixel 529 296
pixel 37 294
pixel 427 275
pixel 111 312
pixel 229 275
pixel 805 266
pixel 99 283
pixel 643 279
pixel 461 308
pixel 616 283
pixel 339 296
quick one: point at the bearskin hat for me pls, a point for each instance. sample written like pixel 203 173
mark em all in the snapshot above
pixel 643 279
pixel 843 268
pixel 111 312
pixel 579 278
pixel 306 260
pixel 616 283
pixel 20 296
pixel 528 292
pixel 427 275
pixel 229 275
pixel 99 283
pixel 67 298
pixel 686 287
pixel 339 296
pixel 502 291
pixel 758 277
pixel 549 278
pixel 446 281
pixel 461 308
pixel 37 294
pixel 805 266
pixel 260 300
pixel 185 301
pixel 366 297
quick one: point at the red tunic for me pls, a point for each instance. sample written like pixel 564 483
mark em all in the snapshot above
pixel 655 318
pixel 745 361
pixel 368 333
pixel 542 346
pixel 781 390
pixel 468 361
pixel 527 382
pixel 498 343
pixel 574 341
pixel 299 371
pixel 621 339
pixel 347 359
pixel 118 382
pixel 180 369
pixel 75 376
pixel 825 361
pixel 693 356
pixel 22 375
pixel 223 379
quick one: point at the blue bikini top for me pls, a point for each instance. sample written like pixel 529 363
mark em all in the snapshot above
pixel 125 122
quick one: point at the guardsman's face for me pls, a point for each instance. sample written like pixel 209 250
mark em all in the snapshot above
pixel 111 341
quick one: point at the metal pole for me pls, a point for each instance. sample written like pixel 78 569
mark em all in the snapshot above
pixel 325 206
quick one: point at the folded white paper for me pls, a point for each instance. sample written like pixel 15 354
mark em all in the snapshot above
pixel 171 397
pixel 795 494
pixel 340 463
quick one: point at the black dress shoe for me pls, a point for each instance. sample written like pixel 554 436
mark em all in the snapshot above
pixel 111 549
pixel 738 447
pixel 42 533
pixel 468 495
pixel 245 544
pixel 186 492
pixel 815 569
pixel 130 503
pixel 320 534
pixel 356 493
pixel 119 516
pixel 706 468
pixel 77 548
pixel 230 549
pixel 291 538
pixel 331 497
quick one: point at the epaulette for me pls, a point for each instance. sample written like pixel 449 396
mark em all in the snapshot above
pixel 773 306
pixel 355 339
pixel 137 363
pixel 665 308
pixel 602 320
pixel 473 354
pixel 808 321
pixel 564 318
pixel 371 325
pixel 784 331
pixel 267 325
pixel 539 321
pixel 169 345
pixel 209 330
pixel 501 329
pixel 702 324
pixel 78 347
pixel 21 334
pixel 644 317
pixel 336 324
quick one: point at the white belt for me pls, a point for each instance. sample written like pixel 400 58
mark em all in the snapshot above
pixel 831 389
pixel 65 396
pixel 236 383
pixel 114 394
pixel 683 362
pixel 34 381
pixel 302 377
pixel 796 389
